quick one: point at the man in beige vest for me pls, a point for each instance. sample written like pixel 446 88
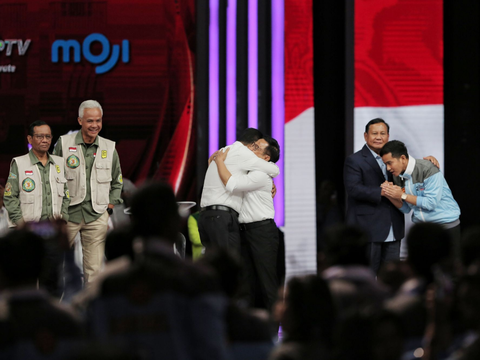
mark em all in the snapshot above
pixel 92 168
pixel 36 188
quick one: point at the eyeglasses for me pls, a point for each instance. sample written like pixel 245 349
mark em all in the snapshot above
pixel 41 137
pixel 255 147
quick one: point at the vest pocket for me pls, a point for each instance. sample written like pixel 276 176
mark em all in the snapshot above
pixel 61 186
pixel 27 204
pixel 72 182
pixel 104 178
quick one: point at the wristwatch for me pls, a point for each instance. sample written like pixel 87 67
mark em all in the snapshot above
pixel 404 196
pixel 109 211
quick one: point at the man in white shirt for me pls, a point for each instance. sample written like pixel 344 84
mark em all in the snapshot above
pixel 218 221
pixel 259 232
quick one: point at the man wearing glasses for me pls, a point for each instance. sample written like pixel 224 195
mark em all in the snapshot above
pixel 37 188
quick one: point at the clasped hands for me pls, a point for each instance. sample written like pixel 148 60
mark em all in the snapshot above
pixel 391 191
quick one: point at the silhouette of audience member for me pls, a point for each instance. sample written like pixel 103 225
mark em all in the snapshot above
pixel 308 318
pixel 29 317
pixel 469 249
pixel 348 274
pixel 243 325
pixel 160 306
pixel 367 335
pixel 430 258
pixel 469 306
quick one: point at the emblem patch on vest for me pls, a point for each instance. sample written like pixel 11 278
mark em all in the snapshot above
pixel 104 154
pixel 120 179
pixel 8 190
pixel 28 173
pixel 28 185
pixel 73 162
pixel 58 168
pixel 12 175
pixel 72 149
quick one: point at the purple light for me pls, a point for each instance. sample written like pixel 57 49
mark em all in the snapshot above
pixel 278 103
pixel 231 71
pixel 213 96
pixel 253 63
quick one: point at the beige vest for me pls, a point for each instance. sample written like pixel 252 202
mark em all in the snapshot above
pixel 30 187
pixel 101 174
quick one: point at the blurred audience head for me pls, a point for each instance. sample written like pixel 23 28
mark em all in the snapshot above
pixel 22 256
pixel 345 245
pixel 155 212
pixel 227 266
pixel 308 312
pixel 428 245
pixel 470 247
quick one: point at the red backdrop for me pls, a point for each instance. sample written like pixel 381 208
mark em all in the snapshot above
pixel 147 102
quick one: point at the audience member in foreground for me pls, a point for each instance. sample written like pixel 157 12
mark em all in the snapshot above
pixel 160 306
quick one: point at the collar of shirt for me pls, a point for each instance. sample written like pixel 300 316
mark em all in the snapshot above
pixel 380 162
pixel 34 160
pixel 79 139
pixel 409 170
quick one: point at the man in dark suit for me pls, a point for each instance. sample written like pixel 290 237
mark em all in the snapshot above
pixel 367 207
pixel 364 174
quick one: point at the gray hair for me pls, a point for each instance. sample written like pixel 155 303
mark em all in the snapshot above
pixel 89 104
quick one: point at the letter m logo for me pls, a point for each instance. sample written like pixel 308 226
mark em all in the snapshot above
pixel 66 45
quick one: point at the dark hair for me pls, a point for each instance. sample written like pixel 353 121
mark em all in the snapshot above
pixel 428 244
pixel 470 246
pixel 273 149
pixel 346 245
pixel 396 148
pixel 376 121
pixel 32 126
pixel 22 255
pixel 155 211
pixel 227 266
pixel 310 313
pixel 249 136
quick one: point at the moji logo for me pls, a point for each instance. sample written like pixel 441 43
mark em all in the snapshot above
pixel 107 58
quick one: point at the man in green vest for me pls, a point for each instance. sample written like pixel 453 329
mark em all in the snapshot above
pixel 36 188
pixel 92 168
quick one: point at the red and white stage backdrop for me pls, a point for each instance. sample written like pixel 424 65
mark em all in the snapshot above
pixel 300 218
pixel 399 72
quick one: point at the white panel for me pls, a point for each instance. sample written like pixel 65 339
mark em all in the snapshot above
pixel 419 127
pixel 300 205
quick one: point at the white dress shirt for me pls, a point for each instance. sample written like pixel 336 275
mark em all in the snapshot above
pixel 240 160
pixel 257 200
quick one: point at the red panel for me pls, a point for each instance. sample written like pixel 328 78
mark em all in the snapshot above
pixel 298 57
pixel 398 52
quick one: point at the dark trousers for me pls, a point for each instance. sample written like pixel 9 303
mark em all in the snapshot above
pixel 382 252
pixel 260 242
pixel 219 228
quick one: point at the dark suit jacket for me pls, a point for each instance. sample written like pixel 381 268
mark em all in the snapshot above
pixel 365 205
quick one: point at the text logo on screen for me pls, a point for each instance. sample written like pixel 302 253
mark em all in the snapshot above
pixel 8 45
pixel 106 65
